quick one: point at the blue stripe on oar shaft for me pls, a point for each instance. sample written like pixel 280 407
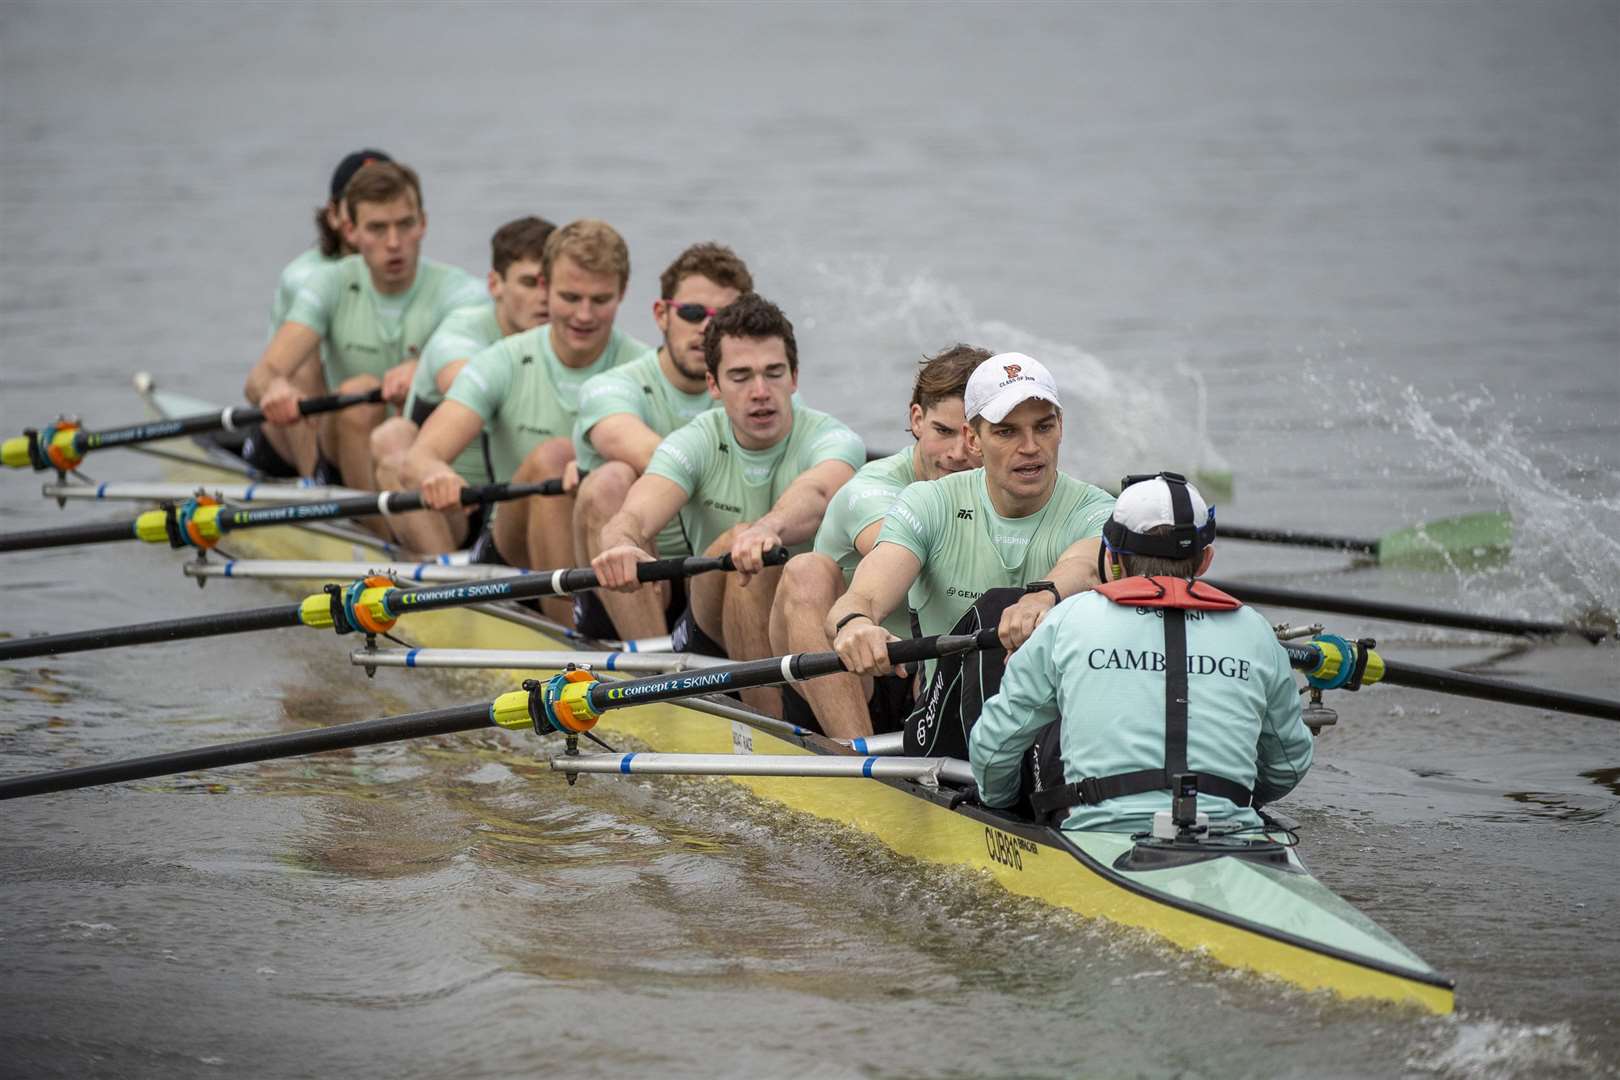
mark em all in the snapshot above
pixel 866 766
pixel 624 765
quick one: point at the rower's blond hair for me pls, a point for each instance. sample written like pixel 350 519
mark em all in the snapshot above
pixel 595 246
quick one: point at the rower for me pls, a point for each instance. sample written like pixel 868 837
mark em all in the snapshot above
pixel 1159 679
pixel 518 289
pixel 625 413
pixel 847 706
pixel 268 449
pixel 997 546
pixel 373 311
pixel 523 392
pixel 754 475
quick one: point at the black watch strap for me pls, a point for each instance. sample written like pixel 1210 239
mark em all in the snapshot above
pixel 1046 586
pixel 839 625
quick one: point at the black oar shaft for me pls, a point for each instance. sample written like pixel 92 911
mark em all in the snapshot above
pixel 396 602
pixel 230 518
pixel 293 744
pixel 68 536
pixel 1374 609
pixel 238 622
pixel 1488 689
pixel 1301 539
pixel 239 416
pixel 741 676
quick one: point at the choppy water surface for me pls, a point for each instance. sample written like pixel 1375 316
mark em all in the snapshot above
pixel 1364 255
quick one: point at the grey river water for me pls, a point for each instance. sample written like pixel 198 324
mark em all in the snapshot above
pixel 1365 255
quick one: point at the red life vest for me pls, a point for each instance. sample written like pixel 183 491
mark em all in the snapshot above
pixel 1168 592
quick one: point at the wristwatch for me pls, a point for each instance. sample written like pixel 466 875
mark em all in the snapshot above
pixel 1038 586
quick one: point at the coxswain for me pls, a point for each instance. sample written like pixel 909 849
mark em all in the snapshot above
pixel 1156 676
pixel 849 706
pixel 751 476
pixel 997 546
pixel 373 312
pixel 518 289
pixel 523 393
pixel 625 413
pixel 269 450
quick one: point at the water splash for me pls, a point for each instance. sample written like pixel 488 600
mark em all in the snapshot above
pixel 1117 422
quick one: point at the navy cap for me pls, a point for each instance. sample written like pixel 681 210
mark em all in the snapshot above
pixel 351 165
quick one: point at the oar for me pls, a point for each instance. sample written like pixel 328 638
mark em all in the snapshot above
pixel 1332 663
pixel 62 445
pixel 202 522
pixel 1374 609
pixel 268 491
pixel 1468 540
pixel 369 606
pixel 532 708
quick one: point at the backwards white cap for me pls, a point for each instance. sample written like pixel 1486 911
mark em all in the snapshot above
pixel 1004 382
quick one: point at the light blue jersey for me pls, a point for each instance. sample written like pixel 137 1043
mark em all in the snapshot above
pixel 1100 665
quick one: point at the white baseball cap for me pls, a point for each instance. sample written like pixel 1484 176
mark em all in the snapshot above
pixel 1004 382
pixel 1146 505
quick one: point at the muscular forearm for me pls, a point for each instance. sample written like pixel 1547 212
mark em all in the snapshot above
pixel 1076 570
pixel 797 514
pixel 625 529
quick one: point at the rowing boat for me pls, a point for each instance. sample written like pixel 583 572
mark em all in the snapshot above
pixel 1245 903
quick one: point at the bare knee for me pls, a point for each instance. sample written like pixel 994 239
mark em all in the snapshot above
pixel 359 420
pixel 545 461
pixel 390 441
pixel 810 583
pixel 602 493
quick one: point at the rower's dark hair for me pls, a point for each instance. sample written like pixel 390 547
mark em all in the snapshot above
pixel 330 239
pixel 716 262
pixel 1155 566
pixel 945 375
pixel 524 238
pixel 753 317
pixel 380 182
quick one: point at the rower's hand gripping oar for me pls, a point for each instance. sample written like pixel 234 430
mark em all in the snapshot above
pixel 201 522
pixel 571 710
pixel 62 445
pixel 1330 662
pixel 370 606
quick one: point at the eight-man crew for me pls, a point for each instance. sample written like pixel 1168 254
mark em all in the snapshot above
pixel 1015 524
pixel 518 288
pixel 523 391
pixel 625 413
pixel 752 476
pixel 373 310
pixel 848 706
pixel 1156 676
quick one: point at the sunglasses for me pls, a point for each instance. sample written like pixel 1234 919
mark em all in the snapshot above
pixel 693 313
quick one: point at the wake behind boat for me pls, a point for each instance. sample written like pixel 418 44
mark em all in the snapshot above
pixel 1246 901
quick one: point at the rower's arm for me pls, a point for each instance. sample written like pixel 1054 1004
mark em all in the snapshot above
pixel 879 586
pixel 798 513
pixel 447 375
pixel 291 347
pixel 1010 721
pixel 449 430
pixel 650 504
pixel 1286 746
pixel 624 437
pixel 1076 569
